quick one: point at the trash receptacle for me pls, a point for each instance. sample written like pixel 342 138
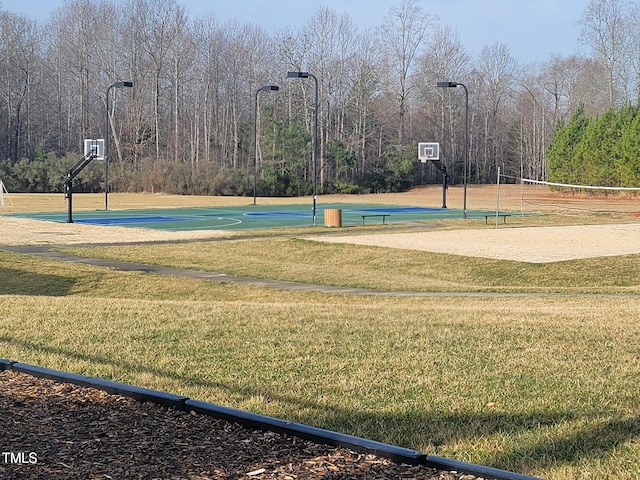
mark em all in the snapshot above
pixel 332 217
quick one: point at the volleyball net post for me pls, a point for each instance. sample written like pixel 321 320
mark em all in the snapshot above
pixel 4 196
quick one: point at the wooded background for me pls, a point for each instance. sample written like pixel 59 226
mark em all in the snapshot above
pixel 187 126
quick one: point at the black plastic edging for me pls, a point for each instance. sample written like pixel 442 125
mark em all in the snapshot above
pixel 5 364
pixel 318 435
pixel 441 463
pixel 168 400
pixel 261 422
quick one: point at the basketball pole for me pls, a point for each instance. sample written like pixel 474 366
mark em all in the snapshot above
pixel 498 198
pixel 430 151
pixel 444 182
pixel 444 188
pixel 107 127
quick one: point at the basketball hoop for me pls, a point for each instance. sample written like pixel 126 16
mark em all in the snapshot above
pixel 95 147
pixel 428 151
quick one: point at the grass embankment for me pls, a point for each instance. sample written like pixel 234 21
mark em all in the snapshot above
pixel 544 385
pixel 382 268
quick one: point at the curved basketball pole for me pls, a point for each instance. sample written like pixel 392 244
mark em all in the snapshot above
pixel 442 168
pixel 73 173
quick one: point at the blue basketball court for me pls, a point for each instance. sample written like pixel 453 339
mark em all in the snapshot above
pixel 254 216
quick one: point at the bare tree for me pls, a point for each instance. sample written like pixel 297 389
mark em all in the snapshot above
pixel 603 29
pixel 497 71
pixel 211 40
pixel 556 77
pixel 76 30
pixel 535 114
pixel 133 64
pixel 445 59
pixel 159 24
pixel 19 45
pixel 402 36
pixel 330 37
pixel 365 86
pixel 633 50
pixel 181 55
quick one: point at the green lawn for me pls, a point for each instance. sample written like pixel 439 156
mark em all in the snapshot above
pixel 543 384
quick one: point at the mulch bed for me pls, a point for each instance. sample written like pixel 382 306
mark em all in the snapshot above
pixel 54 431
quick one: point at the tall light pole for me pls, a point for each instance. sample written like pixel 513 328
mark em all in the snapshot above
pixel 466 137
pixel 315 135
pixel 266 88
pixel 106 140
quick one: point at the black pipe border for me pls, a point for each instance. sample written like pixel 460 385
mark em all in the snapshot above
pixel 262 422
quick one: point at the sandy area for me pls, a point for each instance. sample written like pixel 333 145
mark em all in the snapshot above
pixel 21 231
pixel 528 244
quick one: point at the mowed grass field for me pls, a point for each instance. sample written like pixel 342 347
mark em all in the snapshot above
pixel 527 367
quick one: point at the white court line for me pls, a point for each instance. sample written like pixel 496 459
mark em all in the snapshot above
pixel 234 222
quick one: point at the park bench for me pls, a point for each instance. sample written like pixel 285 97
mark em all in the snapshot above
pixel 383 215
pixel 493 215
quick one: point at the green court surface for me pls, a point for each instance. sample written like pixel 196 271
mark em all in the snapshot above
pixel 255 216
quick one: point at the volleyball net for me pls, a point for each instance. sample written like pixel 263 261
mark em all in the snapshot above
pixel 572 198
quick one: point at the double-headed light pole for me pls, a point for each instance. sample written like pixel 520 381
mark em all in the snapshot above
pixel 107 127
pixel 315 135
pixel 466 137
pixel 265 88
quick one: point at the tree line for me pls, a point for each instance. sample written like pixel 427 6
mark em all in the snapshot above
pixel 602 151
pixel 189 123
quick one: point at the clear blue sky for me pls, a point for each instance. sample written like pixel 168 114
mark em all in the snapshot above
pixel 533 29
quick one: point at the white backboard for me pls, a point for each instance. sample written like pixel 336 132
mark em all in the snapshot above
pixel 94 144
pixel 428 151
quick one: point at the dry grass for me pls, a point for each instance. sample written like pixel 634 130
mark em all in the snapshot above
pixel 361 266
pixel 542 384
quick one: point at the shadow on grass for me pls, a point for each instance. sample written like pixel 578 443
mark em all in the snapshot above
pixel 418 427
pixel 594 441
pixel 22 282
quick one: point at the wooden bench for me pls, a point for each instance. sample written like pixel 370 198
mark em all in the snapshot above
pixel 383 215
pixel 493 215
